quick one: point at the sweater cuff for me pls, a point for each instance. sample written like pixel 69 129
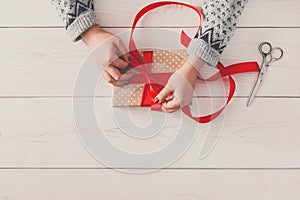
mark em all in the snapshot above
pixel 81 24
pixel 204 51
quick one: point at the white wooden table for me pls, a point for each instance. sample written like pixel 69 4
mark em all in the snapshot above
pixel 41 157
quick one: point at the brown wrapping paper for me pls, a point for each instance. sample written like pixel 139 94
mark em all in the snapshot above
pixel 162 61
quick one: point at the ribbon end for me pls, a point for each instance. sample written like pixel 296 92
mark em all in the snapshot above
pixel 156 107
pixel 185 39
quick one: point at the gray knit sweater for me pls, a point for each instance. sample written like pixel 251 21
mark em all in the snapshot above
pixel 220 21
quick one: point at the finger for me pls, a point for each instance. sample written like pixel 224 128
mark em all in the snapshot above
pixel 169 110
pixel 120 83
pixel 170 97
pixel 163 109
pixel 122 49
pixel 109 78
pixel 120 63
pixel 161 97
pixel 173 104
pixel 127 76
pixel 112 81
pixel 114 72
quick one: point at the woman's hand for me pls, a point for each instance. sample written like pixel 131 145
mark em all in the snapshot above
pixel 178 91
pixel 110 52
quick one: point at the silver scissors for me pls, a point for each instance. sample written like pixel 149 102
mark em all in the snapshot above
pixel 269 55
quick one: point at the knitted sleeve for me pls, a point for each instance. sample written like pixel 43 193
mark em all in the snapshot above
pixel 219 24
pixel 77 15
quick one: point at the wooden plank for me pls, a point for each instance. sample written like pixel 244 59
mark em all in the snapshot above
pixel 47 56
pixel 41 133
pixel 166 184
pixel 121 13
pixel 43 62
pixel 266 11
pixel 28 14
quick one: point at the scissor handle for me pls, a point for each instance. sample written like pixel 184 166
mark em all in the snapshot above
pixel 275 56
pixel 265 48
pixel 269 53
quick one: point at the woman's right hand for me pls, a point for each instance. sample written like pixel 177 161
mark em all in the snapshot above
pixel 111 54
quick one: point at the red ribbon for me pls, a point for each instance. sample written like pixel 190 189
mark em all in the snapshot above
pixel 154 82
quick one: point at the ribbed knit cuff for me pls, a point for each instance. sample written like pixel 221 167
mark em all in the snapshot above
pixel 204 51
pixel 81 24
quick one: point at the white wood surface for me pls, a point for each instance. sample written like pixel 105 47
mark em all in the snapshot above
pixel 164 185
pixel 40 133
pixel 36 13
pixel 43 62
pixel 41 156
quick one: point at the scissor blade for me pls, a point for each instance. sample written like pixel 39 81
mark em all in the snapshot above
pixel 254 90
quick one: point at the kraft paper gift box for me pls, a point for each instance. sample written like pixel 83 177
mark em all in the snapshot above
pixel 162 61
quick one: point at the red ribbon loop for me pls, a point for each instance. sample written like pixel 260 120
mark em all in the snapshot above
pixel 154 82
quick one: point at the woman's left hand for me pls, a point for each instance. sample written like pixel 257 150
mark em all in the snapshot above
pixel 178 91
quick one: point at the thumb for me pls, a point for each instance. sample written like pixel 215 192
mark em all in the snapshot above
pixel 161 97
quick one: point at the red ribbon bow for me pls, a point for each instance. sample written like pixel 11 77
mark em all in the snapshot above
pixel 154 82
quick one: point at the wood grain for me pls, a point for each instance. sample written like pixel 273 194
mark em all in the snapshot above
pixel 167 184
pixel 269 12
pixel 42 62
pixel 258 13
pixel 41 133
pixel 42 157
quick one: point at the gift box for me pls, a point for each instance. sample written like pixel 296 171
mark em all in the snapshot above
pixel 162 61
pixel 162 64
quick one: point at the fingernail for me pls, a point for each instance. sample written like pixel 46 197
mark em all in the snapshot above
pixel 155 100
